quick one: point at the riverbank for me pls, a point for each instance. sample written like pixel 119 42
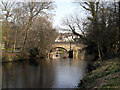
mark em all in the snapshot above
pixel 107 75
pixel 14 57
pixel 18 57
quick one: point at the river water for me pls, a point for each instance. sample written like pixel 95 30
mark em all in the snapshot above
pixel 57 73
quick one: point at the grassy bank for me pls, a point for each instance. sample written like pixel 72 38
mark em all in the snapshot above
pixel 107 75
pixel 16 57
pixel 13 57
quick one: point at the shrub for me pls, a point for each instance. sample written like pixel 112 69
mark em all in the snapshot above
pixel 34 53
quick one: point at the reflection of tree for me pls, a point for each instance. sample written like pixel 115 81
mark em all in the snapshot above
pixel 47 73
pixel 70 61
pixel 27 76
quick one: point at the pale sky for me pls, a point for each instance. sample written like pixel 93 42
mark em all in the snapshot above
pixel 64 8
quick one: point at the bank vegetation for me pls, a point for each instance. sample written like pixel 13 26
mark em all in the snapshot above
pixel 27 29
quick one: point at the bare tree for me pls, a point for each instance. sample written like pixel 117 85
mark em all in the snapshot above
pixel 7 8
pixel 42 35
pixel 34 9
pixel 100 34
pixel 75 24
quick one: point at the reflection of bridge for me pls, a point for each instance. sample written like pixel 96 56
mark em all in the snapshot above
pixel 74 47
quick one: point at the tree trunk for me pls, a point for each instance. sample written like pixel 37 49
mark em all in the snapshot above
pixel 99 52
pixel 119 24
pixel 6 42
pixel 26 36
pixel 15 41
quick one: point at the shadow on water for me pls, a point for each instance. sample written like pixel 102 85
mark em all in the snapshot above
pixel 34 63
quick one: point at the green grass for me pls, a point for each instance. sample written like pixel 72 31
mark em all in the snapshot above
pixel 106 76
pixel 113 82
pixel 10 49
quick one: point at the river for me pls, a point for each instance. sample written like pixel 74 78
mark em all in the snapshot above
pixel 57 73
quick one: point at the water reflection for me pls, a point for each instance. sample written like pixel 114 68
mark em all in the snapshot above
pixel 59 73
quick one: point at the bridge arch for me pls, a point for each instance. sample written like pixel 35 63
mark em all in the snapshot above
pixel 67 47
pixel 58 47
pixel 57 52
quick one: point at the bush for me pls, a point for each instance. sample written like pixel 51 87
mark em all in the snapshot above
pixel 23 56
pixel 9 57
pixel 4 57
pixel 34 53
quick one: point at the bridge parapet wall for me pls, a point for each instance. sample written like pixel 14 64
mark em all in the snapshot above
pixel 74 47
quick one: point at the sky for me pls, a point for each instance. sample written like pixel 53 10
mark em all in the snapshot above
pixel 63 8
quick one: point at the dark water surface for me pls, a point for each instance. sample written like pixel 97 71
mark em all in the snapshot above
pixel 58 73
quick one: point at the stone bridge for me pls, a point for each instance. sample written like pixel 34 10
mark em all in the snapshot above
pixel 68 46
pixel 75 47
